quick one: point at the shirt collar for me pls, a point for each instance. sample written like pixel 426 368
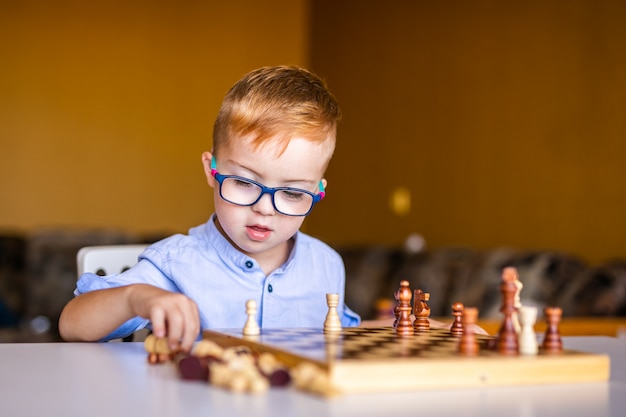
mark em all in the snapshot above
pixel 233 257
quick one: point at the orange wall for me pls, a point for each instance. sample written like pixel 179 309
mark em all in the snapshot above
pixel 505 121
pixel 105 107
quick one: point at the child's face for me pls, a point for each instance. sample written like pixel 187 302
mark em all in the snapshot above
pixel 259 230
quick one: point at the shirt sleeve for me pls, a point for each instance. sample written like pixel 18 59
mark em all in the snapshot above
pixel 144 272
pixel 350 318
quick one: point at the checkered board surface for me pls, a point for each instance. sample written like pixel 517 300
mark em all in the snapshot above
pixel 376 359
pixel 356 343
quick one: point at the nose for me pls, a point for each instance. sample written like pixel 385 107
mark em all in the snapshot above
pixel 265 205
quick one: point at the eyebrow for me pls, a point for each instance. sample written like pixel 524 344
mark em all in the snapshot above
pixel 255 173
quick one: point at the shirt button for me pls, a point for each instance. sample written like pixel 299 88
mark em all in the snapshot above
pixel 269 288
pixel 249 264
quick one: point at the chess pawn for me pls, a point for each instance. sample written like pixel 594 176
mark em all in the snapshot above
pixel 468 345
pixel 332 322
pixel 527 337
pixel 552 341
pixel 251 328
pixel 457 326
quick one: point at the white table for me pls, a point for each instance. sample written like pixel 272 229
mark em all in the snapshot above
pixel 114 379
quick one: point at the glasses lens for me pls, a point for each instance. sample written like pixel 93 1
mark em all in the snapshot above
pixel 238 191
pixel 293 202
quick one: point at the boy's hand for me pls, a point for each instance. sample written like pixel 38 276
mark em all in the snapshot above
pixel 173 315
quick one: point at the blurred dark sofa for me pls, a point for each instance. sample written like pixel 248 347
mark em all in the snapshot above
pixel 550 278
pixel 38 276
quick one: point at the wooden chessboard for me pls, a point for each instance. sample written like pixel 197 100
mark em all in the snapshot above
pixel 363 359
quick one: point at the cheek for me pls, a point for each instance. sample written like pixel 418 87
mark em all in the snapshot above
pixel 290 225
pixel 229 218
pixel 223 209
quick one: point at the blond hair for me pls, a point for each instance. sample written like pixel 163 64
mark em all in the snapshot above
pixel 277 103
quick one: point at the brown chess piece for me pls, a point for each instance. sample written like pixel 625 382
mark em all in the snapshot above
pixel 421 311
pixel 457 325
pixel 396 309
pixel 507 336
pixel 404 326
pixel 552 341
pixel 468 345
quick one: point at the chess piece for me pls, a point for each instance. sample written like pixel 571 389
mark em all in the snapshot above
pixel 468 345
pixel 457 325
pixel 404 326
pixel 527 337
pixel 332 322
pixel 518 304
pixel 421 311
pixel 158 349
pixel 251 328
pixel 194 368
pixel 507 337
pixel 276 372
pixel 552 341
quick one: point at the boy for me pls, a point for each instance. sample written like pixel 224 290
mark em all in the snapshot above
pixel 272 141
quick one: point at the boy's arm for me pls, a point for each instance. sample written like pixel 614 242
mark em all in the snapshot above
pixel 93 315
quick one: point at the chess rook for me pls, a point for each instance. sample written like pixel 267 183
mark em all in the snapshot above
pixel 332 322
pixel 468 345
pixel 552 341
pixel 527 337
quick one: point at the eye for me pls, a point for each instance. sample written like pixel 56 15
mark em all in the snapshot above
pixel 294 195
pixel 243 183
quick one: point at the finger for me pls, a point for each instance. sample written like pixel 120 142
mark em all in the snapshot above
pixel 192 326
pixel 175 326
pixel 157 317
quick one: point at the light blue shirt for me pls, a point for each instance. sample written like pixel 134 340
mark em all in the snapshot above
pixel 204 266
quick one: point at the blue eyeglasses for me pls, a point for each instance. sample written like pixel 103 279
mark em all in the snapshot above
pixel 246 192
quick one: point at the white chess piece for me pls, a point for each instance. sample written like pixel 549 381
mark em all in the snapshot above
pixel 527 338
pixel 332 322
pixel 251 328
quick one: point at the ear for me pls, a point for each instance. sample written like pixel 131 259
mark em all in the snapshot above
pixel 324 183
pixel 206 163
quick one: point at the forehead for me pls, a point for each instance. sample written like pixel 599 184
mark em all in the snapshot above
pixel 276 142
pixel 275 146
pixel 299 157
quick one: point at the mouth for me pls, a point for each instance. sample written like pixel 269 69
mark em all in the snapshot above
pixel 258 232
